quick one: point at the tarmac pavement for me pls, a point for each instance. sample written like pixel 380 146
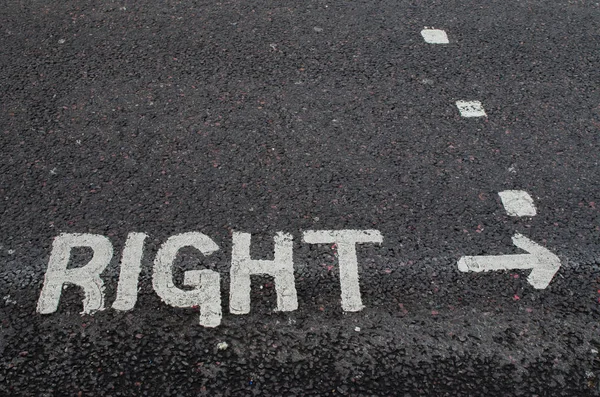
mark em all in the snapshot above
pixel 300 198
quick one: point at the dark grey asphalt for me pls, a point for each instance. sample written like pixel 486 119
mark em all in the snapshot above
pixel 270 116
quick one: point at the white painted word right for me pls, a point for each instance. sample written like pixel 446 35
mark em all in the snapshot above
pixel 205 293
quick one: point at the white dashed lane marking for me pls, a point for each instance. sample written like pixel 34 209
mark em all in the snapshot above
pixel 470 109
pixel 466 108
pixel 517 203
pixel 434 36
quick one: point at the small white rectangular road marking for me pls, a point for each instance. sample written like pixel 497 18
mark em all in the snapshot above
pixel 434 36
pixel 517 203
pixel 470 109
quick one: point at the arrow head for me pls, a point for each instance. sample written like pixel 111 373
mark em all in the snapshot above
pixel 545 264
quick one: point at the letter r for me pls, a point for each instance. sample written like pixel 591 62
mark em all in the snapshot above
pixel 86 277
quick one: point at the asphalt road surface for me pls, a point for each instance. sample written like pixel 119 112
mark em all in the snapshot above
pixel 299 198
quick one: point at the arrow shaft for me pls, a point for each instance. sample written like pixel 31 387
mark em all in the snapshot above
pixel 499 262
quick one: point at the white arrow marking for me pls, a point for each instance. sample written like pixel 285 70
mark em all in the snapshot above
pixel 543 262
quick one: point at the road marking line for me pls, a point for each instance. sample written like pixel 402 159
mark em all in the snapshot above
pixel 434 36
pixel 517 203
pixel 544 264
pixel 470 109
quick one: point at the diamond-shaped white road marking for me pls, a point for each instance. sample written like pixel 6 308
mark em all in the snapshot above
pixel 517 203
pixel 470 109
pixel 434 36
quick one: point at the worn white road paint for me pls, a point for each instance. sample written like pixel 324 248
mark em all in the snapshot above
pixel 222 346
pixel 209 284
pixel 281 269
pixel 345 241
pixel 470 109
pixel 86 277
pixel 434 36
pixel 207 292
pixel 517 203
pixel 543 262
pixel 131 264
pixel 9 301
